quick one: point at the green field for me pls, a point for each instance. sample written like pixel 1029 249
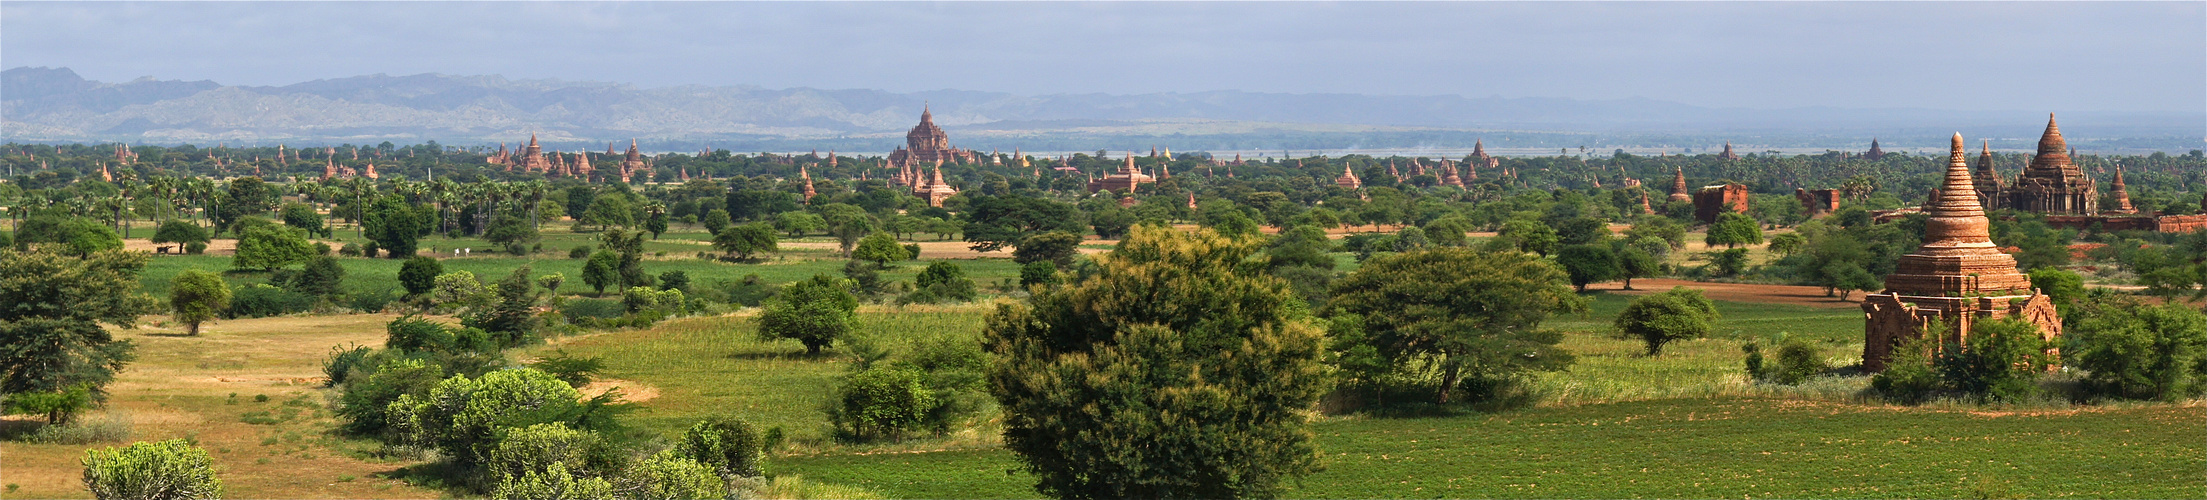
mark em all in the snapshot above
pixel 1697 448
pixel 1617 424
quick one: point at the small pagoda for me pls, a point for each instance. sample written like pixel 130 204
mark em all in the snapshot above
pixel 1957 277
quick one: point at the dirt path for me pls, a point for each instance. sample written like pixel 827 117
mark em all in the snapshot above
pixel 1740 292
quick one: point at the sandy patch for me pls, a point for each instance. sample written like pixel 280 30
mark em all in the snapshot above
pixel 631 391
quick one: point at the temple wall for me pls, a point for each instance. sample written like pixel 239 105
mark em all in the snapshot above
pixel 2180 223
pixel 1713 200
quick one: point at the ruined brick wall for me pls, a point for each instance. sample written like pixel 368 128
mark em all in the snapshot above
pixel 2180 223
pixel 1713 200
pixel 1818 202
pixel 2103 222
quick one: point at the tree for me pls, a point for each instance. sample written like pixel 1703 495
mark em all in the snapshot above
pixel 1111 223
pixel 1582 231
pixel 1658 227
pixel 513 317
pixel 179 231
pixel 463 417
pixel 419 275
pixel 995 222
pixel 880 249
pixel 1041 272
pixel 1659 319
pixel 2001 359
pixel 198 296
pixel 303 216
pixel 798 223
pixel 608 212
pixel 396 227
pixel 1141 337
pixel 602 271
pixel 1303 245
pixel 816 312
pixel 1588 264
pixel 716 219
pixel 272 247
pixel 880 402
pixel 655 219
pixel 513 232
pixel 1733 229
pixel 1470 313
pixel 323 277
pixel 630 246
pixel 1632 262
pixel 847 223
pixel 1529 236
pixel 1054 246
pixel 746 240
pixel 51 340
pixel 161 470
pixel 1787 244
pixel 76 236
pixel 1447 231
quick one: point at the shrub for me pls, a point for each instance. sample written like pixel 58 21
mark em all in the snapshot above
pixel 2133 350
pixel 749 291
pixel 578 309
pixel 195 248
pixel 164 470
pixel 322 277
pixel 2000 361
pixel 270 247
pixel 942 281
pixel 257 301
pixel 1755 368
pixel 198 296
pixel 341 363
pixel 107 429
pixel 674 280
pixel 372 301
pixel 1909 377
pixel 377 382
pixel 879 248
pixel 671 476
pixel 463 417
pixel 729 445
pixel 555 482
pixel 536 448
pixel 1056 246
pixel 57 406
pixel 879 403
pixel 579 252
pixel 1797 361
pixel 1039 272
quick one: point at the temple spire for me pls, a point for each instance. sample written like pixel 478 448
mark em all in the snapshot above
pixel 1957 219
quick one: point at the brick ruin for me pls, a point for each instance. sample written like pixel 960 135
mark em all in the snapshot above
pixel 1817 202
pixel 1713 200
pixel 1957 277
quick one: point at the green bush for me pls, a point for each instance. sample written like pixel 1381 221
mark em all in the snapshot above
pixel 377 381
pixel 576 310
pixel 419 274
pixel 2000 361
pixel 1039 272
pixel 341 362
pixel 729 445
pixel 1678 314
pixel 1909 377
pixel 106 429
pixel 164 470
pixel 880 403
pixel 815 312
pixel 2133 350
pixel 1755 367
pixel 579 252
pixel 942 281
pixel 534 449
pixel 258 301
pixel 555 482
pixel 670 476
pixel 1797 361
pixel 371 301
pixel 750 291
pixel 59 406
pixel 463 417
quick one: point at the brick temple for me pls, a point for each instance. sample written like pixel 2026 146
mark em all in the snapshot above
pixel 1957 276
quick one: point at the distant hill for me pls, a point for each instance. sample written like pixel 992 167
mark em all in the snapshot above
pixel 55 104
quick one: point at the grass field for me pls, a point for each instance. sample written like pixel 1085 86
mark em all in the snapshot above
pixel 1618 423
pixel 1689 448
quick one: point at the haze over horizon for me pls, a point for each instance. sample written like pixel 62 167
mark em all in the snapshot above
pixel 1977 56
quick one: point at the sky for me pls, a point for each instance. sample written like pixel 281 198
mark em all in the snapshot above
pixel 2091 56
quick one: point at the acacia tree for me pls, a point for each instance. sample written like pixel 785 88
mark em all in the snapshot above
pixel 198 296
pixel 51 340
pixel 1468 313
pixel 1659 319
pixel 1733 229
pixel 746 240
pixel 1131 385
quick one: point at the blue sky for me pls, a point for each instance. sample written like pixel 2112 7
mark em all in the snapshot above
pixel 2095 56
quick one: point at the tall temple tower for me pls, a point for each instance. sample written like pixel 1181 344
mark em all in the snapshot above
pixel 1957 276
pixel 2053 184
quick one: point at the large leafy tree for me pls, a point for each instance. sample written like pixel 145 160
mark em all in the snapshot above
pixel 270 247
pixel 1179 371
pixel 1588 264
pixel 51 340
pixel 1460 312
pixel 1733 229
pixel 847 223
pixel 1659 319
pixel 396 227
pixel 816 312
pixel 198 296
pixel 746 240
pixel 995 222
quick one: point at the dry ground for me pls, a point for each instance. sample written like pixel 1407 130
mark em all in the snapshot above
pixel 182 386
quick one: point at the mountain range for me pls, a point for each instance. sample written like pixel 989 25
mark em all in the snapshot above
pixel 56 105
